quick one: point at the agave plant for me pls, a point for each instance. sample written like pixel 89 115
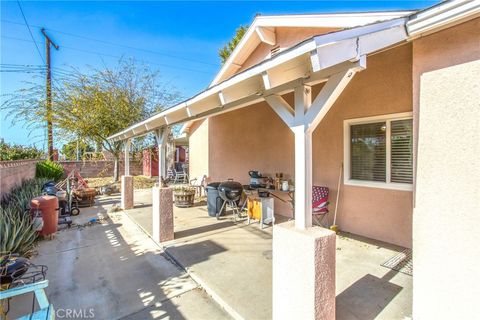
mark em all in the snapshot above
pixel 17 234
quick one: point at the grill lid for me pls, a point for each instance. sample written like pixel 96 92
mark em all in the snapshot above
pixel 230 190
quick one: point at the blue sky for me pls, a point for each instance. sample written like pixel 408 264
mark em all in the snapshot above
pixel 181 39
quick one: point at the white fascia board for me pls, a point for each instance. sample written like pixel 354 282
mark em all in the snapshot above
pixel 441 16
pixel 335 20
pixel 379 40
pixel 356 32
pixel 352 44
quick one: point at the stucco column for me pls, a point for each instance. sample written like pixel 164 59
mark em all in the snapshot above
pixel 446 241
pixel 303 272
pixel 127 192
pixel 162 214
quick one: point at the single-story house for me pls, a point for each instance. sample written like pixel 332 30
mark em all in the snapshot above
pixel 389 100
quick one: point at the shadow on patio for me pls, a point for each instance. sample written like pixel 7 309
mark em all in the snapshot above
pixel 235 262
pixel 115 270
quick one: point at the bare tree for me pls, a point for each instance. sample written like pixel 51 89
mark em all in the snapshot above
pixel 96 105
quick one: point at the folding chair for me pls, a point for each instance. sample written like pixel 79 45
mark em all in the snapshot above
pixel 319 204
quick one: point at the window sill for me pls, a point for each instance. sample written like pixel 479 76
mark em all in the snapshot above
pixel 379 185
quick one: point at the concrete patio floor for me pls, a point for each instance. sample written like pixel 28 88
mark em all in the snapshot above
pixel 233 263
pixel 116 270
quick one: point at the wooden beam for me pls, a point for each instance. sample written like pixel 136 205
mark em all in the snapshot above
pixel 303 100
pixel 189 112
pixel 266 35
pixel 315 61
pixel 161 135
pixel 266 80
pixel 281 108
pixel 128 143
pixel 222 99
pixel 327 97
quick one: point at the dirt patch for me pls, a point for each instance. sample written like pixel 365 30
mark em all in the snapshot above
pixel 139 182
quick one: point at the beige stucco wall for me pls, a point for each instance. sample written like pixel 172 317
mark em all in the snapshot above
pixel 252 138
pixel 446 241
pixel 199 149
pixel 255 138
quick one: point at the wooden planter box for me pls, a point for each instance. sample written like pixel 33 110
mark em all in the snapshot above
pixel 184 199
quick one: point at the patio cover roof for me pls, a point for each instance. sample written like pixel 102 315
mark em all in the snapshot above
pixel 309 62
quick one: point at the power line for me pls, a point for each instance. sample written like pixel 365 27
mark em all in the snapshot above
pixel 112 56
pixel 122 45
pixel 30 31
pixel 36 68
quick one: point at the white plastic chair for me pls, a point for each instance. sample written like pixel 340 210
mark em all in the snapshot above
pixel 199 184
pixel 180 176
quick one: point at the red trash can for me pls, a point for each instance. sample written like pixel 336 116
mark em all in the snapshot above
pixel 48 205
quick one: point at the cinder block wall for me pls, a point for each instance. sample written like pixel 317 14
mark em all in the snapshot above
pixel 101 168
pixel 12 173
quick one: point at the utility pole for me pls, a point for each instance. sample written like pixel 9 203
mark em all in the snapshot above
pixel 49 42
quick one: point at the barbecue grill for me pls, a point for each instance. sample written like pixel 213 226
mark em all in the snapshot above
pixel 230 192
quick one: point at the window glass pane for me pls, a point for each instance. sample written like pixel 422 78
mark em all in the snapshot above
pixel 402 151
pixel 368 152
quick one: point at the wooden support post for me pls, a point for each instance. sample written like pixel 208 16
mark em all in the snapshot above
pixel 161 135
pixel 303 159
pixel 302 121
pixel 128 143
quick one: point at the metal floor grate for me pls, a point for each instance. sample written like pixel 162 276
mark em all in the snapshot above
pixel 401 262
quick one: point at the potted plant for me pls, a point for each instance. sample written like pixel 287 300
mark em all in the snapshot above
pixel 184 196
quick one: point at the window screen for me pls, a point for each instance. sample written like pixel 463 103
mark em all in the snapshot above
pixel 368 152
pixel 402 150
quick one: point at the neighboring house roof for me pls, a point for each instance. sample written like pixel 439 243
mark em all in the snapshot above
pixel 263 30
pixel 304 63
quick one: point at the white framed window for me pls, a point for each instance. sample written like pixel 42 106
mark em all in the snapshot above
pixel 378 151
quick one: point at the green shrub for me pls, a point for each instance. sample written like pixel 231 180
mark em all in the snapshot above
pixel 49 170
pixel 10 152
